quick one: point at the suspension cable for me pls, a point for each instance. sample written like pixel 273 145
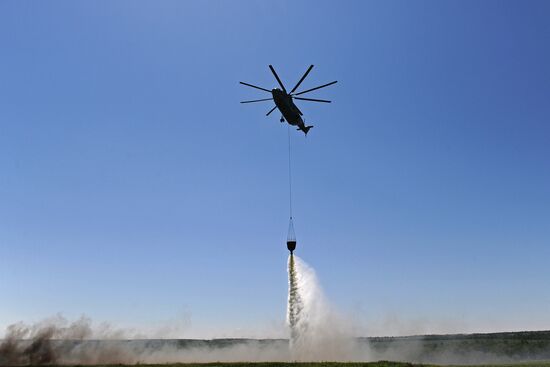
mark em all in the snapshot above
pixel 289 174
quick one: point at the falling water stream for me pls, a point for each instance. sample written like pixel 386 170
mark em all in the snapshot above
pixel 317 331
pixel 294 301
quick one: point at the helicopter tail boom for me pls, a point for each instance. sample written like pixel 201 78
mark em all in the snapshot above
pixel 305 129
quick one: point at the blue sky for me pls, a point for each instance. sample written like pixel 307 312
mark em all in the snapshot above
pixel 135 188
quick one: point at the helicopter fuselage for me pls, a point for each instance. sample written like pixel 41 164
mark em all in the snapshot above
pixel 288 109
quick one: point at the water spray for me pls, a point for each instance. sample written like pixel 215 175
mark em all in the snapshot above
pixel 294 301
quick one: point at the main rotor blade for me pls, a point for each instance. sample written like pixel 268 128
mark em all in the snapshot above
pixel 271 110
pixel 258 100
pixel 319 87
pixel 312 100
pixel 277 77
pixel 301 80
pixel 253 86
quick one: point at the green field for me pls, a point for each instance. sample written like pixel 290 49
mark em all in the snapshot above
pixel 318 364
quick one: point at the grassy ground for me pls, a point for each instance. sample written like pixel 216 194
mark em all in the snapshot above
pixel 318 364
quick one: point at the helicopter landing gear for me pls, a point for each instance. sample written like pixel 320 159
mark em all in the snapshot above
pixel 282 119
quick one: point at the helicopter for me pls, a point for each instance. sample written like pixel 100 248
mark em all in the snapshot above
pixel 284 100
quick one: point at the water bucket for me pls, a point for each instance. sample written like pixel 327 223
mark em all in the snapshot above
pixel 291 238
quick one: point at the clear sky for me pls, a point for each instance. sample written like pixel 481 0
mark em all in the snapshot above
pixel 134 188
